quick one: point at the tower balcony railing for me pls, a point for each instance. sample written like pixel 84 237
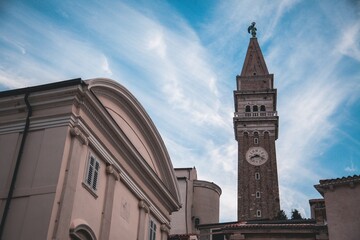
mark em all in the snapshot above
pixel 255 114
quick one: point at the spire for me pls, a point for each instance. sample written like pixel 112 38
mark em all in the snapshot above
pixel 254 63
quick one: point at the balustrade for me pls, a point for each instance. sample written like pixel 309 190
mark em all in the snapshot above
pixel 255 114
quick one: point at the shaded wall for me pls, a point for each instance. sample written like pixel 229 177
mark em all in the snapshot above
pixel 343 211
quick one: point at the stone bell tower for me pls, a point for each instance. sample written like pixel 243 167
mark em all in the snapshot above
pixel 256 129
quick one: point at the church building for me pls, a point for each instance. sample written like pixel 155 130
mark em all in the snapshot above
pixel 81 159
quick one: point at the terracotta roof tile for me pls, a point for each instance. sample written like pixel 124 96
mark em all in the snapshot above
pixel 295 224
pixel 331 183
pixel 342 180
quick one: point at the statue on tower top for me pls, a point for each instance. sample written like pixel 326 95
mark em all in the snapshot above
pixel 252 29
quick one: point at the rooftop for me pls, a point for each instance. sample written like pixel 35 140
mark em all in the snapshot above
pixel 331 183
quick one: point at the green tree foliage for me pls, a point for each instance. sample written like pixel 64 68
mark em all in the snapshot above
pixel 281 215
pixel 295 215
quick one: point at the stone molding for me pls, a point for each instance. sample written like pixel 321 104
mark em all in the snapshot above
pixel 36 124
pixel 144 205
pixel 206 184
pixel 165 228
pixel 77 133
pixel 110 170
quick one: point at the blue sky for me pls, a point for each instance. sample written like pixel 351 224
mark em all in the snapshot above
pixel 180 59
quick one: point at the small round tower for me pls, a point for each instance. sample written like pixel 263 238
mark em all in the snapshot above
pixel 206 203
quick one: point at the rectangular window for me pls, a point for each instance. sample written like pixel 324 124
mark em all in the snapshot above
pixel 258 213
pixel 152 230
pixel 217 234
pixel 92 174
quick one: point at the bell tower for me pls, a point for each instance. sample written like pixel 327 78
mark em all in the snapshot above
pixel 256 129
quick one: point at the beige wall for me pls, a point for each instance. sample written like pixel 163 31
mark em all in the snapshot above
pixel 84 200
pixel 125 214
pixel 206 202
pixel 181 220
pixel 130 128
pixel 36 184
pixel 343 211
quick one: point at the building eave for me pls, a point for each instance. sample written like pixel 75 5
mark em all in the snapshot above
pixel 329 184
pixel 44 87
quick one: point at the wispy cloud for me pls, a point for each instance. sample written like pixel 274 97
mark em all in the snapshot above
pixel 306 60
pixel 348 44
pixel 185 78
pixel 47 52
pixel 292 198
pixel 312 90
pixel 105 65
pixel 350 169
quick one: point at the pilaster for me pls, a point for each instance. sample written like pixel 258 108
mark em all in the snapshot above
pixel 165 229
pixel 65 204
pixel 112 177
pixel 143 219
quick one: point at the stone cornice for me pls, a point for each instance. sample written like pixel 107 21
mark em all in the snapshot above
pixel 12 127
pixel 13 107
pixel 206 184
pixel 36 123
pixel 41 100
pixel 260 92
pixel 165 228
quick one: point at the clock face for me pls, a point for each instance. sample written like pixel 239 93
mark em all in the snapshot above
pixel 256 156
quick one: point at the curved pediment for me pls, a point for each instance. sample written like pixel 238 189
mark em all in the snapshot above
pixel 136 125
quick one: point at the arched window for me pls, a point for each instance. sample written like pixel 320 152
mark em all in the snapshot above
pixel 82 232
pixel 255 108
pixel 262 108
pixel 247 108
pixel 266 135
pixel 246 134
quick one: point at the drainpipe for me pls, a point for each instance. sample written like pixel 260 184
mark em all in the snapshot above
pixel 16 169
